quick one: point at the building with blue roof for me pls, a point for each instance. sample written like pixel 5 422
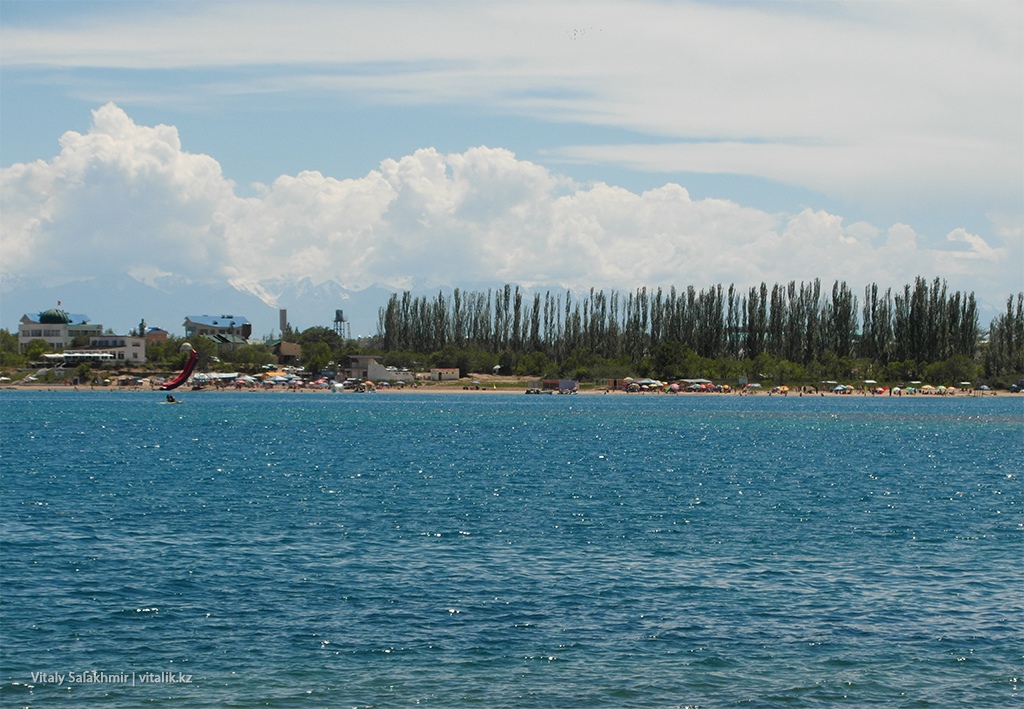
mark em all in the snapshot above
pixel 56 327
pixel 228 331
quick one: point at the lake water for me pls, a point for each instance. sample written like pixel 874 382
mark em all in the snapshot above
pixel 392 550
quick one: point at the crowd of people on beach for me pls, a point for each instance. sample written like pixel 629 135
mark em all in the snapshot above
pixel 302 382
pixel 868 388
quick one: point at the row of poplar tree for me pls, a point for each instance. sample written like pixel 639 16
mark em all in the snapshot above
pixel 799 322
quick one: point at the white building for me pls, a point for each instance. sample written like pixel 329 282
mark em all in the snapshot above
pixel 124 348
pixel 55 327
pixel 369 367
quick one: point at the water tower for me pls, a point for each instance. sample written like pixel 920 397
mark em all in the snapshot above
pixel 341 325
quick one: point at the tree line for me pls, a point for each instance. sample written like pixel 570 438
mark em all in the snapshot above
pixel 797 332
pixel 801 323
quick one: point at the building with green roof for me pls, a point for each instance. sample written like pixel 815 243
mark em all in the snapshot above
pixel 58 328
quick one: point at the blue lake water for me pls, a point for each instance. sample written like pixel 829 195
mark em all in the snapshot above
pixel 392 550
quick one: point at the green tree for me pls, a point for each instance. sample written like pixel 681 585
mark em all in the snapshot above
pixel 9 354
pixel 899 372
pixel 317 334
pixel 315 356
pixel 954 370
pixel 810 334
pixel 251 358
pixel 534 364
pixel 8 341
pixel 83 371
pixel 451 358
pixel 35 349
pixel 579 364
pixel 670 360
pixel 1004 355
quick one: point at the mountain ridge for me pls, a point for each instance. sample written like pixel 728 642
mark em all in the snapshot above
pixel 121 302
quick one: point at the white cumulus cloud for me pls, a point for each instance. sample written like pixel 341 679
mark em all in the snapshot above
pixel 121 197
pixel 126 198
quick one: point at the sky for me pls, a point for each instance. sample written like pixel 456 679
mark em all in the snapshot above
pixel 575 144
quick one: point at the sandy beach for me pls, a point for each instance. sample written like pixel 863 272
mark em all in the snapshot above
pixel 489 385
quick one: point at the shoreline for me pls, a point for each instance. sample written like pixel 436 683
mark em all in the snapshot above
pixel 506 389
